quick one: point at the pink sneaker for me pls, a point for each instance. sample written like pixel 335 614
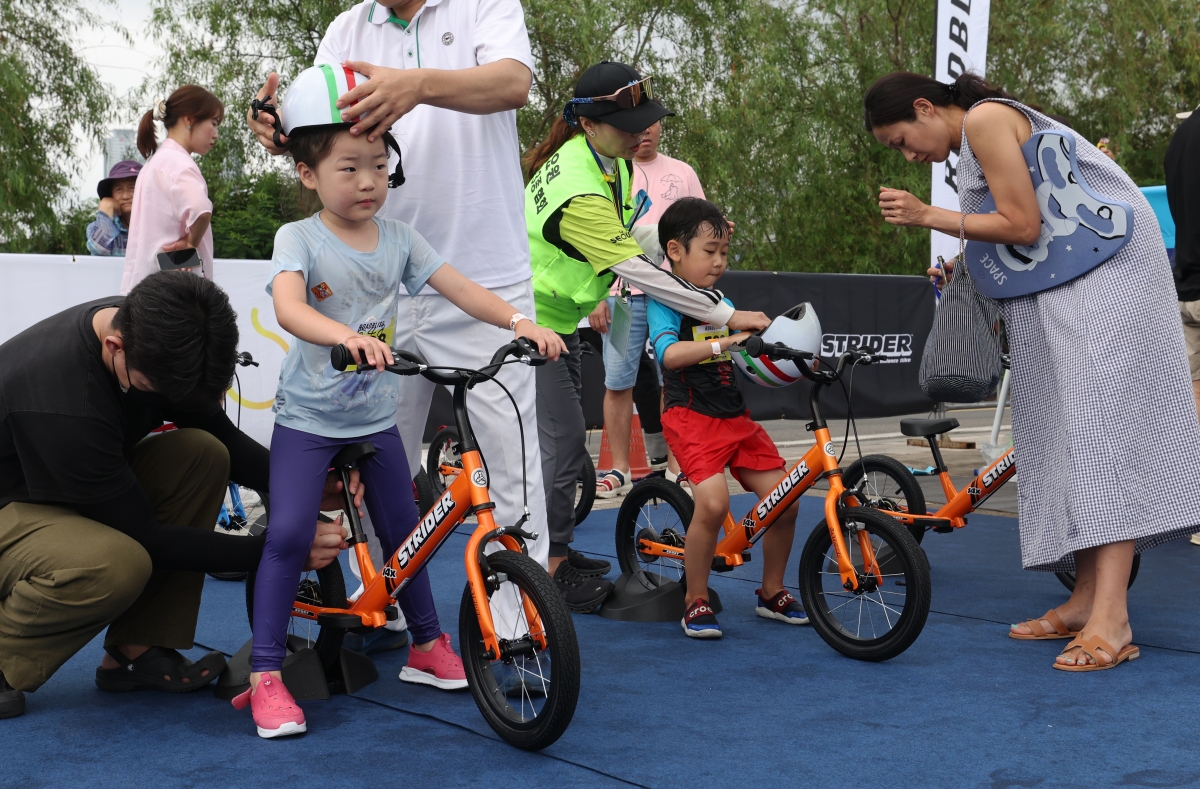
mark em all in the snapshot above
pixel 439 666
pixel 275 711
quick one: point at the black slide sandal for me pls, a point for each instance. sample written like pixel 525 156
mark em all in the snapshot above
pixel 148 670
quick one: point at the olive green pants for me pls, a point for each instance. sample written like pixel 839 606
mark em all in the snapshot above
pixel 63 578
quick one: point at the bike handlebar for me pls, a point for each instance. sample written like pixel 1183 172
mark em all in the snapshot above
pixel 754 345
pixel 408 363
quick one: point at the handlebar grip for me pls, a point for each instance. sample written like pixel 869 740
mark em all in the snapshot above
pixel 529 349
pixel 341 358
pixel 754 345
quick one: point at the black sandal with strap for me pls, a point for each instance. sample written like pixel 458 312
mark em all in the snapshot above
pixel 150 668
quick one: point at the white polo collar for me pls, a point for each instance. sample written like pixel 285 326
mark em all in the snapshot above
pixel 377 14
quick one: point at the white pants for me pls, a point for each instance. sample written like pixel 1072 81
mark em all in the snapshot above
pixel 445 335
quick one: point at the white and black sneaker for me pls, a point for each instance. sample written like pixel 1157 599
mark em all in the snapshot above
pixel 12 701
pixel 583 595
pixel 586 565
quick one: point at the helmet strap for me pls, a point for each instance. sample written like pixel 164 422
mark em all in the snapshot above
pixel 397 176
pixel 265 105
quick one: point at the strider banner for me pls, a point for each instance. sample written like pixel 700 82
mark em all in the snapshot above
pixel 888 314
pixel 960 45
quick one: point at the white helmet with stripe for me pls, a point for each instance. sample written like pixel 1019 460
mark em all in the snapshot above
pixel 311 99
pixel 799 329
pixel 311 102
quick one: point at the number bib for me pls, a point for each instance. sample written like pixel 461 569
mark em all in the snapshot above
pixel 1080 227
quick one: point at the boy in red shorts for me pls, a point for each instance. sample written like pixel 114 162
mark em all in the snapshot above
pixel 706 423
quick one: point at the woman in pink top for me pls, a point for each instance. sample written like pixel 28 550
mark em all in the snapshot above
pixel 171 209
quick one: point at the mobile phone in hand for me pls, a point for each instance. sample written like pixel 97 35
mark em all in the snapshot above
pixel 180 258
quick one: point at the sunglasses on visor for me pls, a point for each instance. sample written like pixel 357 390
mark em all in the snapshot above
pixel 626 98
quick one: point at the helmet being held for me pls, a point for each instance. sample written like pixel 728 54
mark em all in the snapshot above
pixel 311 102
pixel 800 329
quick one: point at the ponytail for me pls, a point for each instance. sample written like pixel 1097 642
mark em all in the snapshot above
pixel 890 99
pixel 189 101
pixel 560 132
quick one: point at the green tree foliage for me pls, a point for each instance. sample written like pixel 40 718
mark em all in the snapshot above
pixel 768 96
pixel 48 94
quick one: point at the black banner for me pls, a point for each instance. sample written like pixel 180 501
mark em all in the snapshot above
pixel 888 314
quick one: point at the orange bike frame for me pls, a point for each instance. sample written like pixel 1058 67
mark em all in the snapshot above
pixel 959 503
pixel 819 461
pixel 467 493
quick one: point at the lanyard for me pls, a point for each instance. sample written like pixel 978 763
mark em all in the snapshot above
pixel 614 182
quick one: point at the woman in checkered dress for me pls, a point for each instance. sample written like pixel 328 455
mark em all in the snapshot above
pixel 1102 402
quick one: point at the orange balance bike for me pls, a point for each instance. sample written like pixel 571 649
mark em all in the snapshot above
pixel 864 580
pixel 516 636
pixel 886 484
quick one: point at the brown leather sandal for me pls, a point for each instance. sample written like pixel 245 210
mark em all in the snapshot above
pixel 1042 634
pixel 1100 651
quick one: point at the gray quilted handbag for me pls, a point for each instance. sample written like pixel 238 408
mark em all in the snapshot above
pixel 961 362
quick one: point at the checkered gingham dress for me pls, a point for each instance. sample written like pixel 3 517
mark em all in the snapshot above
pixel 1103 417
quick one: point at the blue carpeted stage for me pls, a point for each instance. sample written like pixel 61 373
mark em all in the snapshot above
pixel 767 706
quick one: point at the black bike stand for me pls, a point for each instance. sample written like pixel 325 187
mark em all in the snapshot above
pixel 302 673
pixel 648 597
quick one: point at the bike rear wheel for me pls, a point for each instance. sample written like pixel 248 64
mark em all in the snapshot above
pixel 325 587
pixel 585 495
pixel 888 485
pixel 656 510
pixel 443 451
pixel 880 620
pixel 528 693
pixel 1068 579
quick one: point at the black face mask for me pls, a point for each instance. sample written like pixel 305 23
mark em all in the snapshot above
pixel 138 398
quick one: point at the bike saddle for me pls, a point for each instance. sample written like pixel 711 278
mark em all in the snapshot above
pixel 352 454
pixel 924 428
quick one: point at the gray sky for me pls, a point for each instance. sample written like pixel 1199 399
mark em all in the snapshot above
pixel 122 66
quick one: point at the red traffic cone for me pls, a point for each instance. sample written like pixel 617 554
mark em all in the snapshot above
pixel 639 463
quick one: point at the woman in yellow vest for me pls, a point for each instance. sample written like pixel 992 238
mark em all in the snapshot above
pixel 579 211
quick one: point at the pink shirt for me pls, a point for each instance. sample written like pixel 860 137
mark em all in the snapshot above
pixel 169 197
pixel 665 181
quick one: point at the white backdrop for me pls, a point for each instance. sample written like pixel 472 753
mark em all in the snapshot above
pixel 39 286
pixel 960 46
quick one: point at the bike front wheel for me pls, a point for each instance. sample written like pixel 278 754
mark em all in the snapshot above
pixel 528 693
pixel 879 620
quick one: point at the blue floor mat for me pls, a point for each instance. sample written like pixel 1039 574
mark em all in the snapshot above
pixel 768 705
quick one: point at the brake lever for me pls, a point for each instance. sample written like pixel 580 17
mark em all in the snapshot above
pixel 530 354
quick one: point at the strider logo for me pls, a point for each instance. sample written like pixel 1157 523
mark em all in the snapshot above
pixel 897 348
pixel 998 470
pixel 781 490
pixel 428 526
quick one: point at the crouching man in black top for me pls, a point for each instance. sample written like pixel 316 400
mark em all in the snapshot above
pixel 101 525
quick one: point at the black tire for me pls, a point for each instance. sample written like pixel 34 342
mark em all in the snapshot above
pixel 884 627
pixel 889 486
pixel 662 511
pixel 425 493
pixel 586 496
pixel 327 587
pixel 1068 579
pixel 529 700
pixel 442 449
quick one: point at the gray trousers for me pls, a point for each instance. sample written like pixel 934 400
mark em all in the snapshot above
pixel 563 440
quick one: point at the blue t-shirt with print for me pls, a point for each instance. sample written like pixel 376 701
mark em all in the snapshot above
pixel 709 387
pixel 359 289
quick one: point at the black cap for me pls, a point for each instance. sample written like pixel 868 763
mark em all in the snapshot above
pixel 605 79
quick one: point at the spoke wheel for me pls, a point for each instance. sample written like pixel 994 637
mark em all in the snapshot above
pixel 325 587
pixel 887 484
pixel 879 621
pixel 527 694
pixel 1068 579
pixel 585 494
pixel 657 510
pixel 443 451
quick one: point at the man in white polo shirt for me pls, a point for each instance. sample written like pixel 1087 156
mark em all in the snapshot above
pixel 447 77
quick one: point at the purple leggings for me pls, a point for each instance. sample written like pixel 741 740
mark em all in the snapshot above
pixel 299 465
